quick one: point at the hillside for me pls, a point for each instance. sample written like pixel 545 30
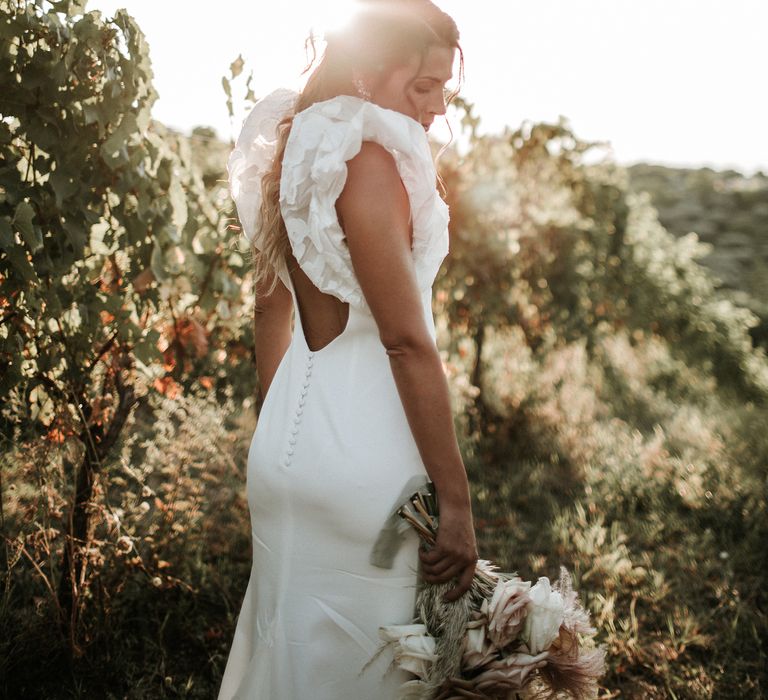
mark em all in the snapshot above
pixel 727 210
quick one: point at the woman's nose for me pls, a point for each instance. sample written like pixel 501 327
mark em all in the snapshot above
pixel 438 107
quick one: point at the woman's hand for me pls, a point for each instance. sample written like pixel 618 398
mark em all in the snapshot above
pixel 454 553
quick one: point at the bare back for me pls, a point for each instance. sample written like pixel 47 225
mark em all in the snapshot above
pixel 323 316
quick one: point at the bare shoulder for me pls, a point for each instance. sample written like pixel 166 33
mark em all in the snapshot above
pixel 373 181
pixel 374 211
pixel 374 157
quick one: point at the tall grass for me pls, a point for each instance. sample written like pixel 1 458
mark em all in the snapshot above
pixel 628 466
pixel 168 559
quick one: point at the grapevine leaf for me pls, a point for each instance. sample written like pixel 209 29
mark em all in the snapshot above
pixel 22 219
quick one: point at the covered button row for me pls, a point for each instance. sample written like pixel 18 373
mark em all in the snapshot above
pixel 299 410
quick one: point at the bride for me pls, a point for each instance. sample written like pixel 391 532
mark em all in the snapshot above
pixel 336 189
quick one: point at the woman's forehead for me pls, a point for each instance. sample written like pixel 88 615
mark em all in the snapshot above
pixel 437 63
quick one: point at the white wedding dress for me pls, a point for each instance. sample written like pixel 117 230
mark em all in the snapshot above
pixel 332 450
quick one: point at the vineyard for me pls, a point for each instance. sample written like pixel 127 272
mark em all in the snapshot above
pixel 610 390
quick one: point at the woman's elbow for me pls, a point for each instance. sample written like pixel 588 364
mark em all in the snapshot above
pixel 403 343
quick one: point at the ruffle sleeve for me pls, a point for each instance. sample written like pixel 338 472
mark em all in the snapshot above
pixel 323 138
pixel 252 158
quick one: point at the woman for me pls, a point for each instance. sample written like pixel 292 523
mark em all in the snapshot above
pixel 336 187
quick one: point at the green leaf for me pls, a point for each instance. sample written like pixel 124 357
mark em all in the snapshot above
pixel 76 234
pixel 22 220
pixel 54 305
pixel 94 113
pixel 146 350
pixel 71 7
pixel 6 233
pixel 64 185
pixel 112 147
pixel 178 204
pixel 157 263
pixel 18 257
pixel 143 118
pixel 11 375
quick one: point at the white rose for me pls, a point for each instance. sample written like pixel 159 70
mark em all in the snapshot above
pixel 478 649
pixel 507 610
pixel 414 649
pixel 475 640
pixel 392 633
pixel 546 611
pixel 415 653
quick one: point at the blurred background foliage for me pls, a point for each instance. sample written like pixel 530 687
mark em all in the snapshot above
pixel 603 329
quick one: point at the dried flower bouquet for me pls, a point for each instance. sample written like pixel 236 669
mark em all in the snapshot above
pixel 505 638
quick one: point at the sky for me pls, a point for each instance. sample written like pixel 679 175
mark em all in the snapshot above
pixel 674 82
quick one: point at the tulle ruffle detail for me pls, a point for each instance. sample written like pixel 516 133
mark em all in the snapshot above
pixel 323 138
pixel 252 158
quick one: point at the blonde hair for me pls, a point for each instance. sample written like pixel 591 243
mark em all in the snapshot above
pixel 382 35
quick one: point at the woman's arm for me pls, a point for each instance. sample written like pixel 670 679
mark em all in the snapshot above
pixel 272 330
pixel 375 209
